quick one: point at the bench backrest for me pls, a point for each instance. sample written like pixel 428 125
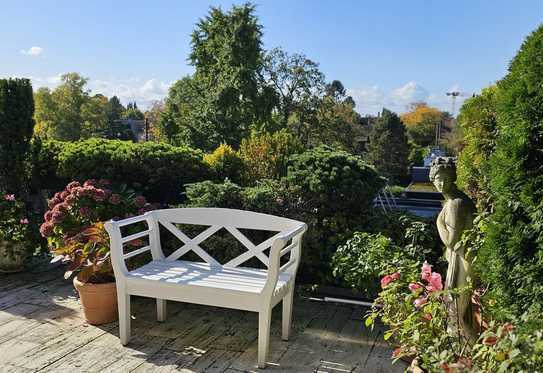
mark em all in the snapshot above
pixel 216 219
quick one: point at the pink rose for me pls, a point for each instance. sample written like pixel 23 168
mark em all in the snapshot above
pixel 140 201
pixel 9 197
pixel 421 301
pixel 389 278
pixel 46 229
pixel 23 221
pixel 426 271
pixel 435 282
pixel 414 286
pixel 115 199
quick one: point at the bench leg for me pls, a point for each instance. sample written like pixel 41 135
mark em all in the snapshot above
pixel 161 310
pixel 264 321
pixel 123 301
pixel 287 315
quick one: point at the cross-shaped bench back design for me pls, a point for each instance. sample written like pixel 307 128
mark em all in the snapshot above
pixel 215 219
pixel 230 285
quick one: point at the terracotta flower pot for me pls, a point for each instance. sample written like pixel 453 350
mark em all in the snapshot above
pixel 99 301
pixel 12 257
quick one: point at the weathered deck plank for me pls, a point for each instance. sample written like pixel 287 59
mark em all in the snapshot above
pixel 42 329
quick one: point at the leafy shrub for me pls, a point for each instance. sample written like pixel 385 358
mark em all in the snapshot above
pixel 159 170
pixel 16 125
pixel 210 194
pixel 73 225
pixel 266 155
pixel 14 221
pixel 307 194
pixel 225 162
pixel 367 256
pixel 334 181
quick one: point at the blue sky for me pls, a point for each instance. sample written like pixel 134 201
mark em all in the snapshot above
pixel 387 53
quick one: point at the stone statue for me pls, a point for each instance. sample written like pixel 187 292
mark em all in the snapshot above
pixel 455 217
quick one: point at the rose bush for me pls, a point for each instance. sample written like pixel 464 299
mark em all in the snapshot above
pixel 416 310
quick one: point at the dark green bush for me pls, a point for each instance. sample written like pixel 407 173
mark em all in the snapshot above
pixel 334 181
pixel 16 125
pixel 159 170
pixel 511 260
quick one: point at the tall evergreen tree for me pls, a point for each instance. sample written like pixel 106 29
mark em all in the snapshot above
pixel 388 149
pixel 224 95
pixel 16 126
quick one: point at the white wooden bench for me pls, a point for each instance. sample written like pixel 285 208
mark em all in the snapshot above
pixel 209 282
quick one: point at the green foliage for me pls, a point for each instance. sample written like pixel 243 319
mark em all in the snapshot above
pixel 16 125
pixel 265 155
pixel 210 194
pixel 334 181
pixel 59 112
pixel 388 149
pixel 314 191
pixel 514 244
pixel 477 119
pixel 225 163
pixel 132 112
pixel 220 102
pixel 159 170
pixel 406 242
pixel 14 221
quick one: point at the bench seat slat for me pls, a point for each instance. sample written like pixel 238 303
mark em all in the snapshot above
pixel 247 280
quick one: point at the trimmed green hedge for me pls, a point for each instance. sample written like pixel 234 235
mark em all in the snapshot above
pixel 159 170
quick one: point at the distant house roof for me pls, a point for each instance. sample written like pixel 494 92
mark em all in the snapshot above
pixel 420 174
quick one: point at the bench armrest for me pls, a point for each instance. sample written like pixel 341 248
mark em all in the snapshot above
pixel 118 256
pixel 280 248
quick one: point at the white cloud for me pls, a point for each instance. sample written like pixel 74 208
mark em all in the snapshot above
pixel 371 100
pixel 32 51
pixel 144 92
pixel 408 93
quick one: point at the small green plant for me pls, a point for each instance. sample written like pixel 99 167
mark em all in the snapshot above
pixel 14 221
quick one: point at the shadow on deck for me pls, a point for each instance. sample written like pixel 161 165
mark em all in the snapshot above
pixel 42 329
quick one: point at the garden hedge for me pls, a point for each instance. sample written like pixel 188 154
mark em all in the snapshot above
pixel 16 126
pixel 511 258
pixel 159 170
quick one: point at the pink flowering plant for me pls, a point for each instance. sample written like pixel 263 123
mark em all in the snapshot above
pixel 413 305
pixel 78 210
pixel 14 221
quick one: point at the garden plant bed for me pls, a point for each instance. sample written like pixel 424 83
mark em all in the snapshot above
pixel 42 328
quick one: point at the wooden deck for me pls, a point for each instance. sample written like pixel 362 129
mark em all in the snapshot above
pixel 42 329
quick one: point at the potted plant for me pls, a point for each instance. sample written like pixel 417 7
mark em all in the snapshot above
pixel 75 234
pixel 14 234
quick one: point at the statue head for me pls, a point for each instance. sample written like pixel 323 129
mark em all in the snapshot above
pixel 443 174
